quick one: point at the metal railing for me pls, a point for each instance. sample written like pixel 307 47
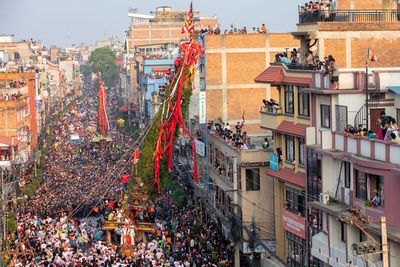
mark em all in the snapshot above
pixel 370 15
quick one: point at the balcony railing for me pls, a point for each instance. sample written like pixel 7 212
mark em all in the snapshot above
pixel 271 117
pixel 383 15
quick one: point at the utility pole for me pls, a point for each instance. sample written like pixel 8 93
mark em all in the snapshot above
pixel 236 210
pixel 366 94
pixel 385 254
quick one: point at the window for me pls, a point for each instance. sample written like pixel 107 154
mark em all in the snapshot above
pixel 376 185
pixel 314 185
pixel 252 179
pixel 304 104
pixel 361 185
pixel 325 116
pixel 295 201
pixel 296 250
pixel 341 118
pixel 347 174
pixel 290 148
pixel 289 99
pixel 301 151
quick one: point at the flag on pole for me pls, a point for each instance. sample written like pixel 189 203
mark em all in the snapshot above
pixel 243 120
pixel 372 56
pixel 102 121
pixel 189 24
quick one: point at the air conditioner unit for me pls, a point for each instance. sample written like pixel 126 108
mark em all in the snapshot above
pixel 324 198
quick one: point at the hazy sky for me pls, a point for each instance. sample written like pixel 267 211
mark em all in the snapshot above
pixel 68 22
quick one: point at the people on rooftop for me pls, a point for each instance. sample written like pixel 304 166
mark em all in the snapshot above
pixel 318 11
pixel 239 140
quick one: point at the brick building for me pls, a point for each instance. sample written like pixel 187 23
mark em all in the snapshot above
pixel 18 117
pixel 317 157
pixel 162 25
pixel 232 62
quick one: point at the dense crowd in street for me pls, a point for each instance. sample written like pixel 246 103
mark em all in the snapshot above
pixel 53 229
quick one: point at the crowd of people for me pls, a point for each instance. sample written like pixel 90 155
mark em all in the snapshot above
pixel 13 84
pixel 388 129
pixel 12 97
pixel 233 30
pixel 53 229
pixel 328 65
pixel 234 137
pixel 318 11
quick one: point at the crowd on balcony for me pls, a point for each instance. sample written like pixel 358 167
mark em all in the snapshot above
pixel 153 57
pixel 388 130
pixel 13 84
pixel 154 75
pixel 13 97
pixel 270 106
pixel 233 30
pixel 236 139
pixel 318 11
pixel 21 69
pixel 328 65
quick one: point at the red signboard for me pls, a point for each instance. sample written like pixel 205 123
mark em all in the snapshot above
pixel 294 224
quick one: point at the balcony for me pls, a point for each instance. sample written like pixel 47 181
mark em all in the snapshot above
pixel 13 103
pixel 381 15
pixel 363 147
pixel 271 118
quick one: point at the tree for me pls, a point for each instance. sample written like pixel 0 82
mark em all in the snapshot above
pixel 86 71
pixel 146 163
pixel 103 60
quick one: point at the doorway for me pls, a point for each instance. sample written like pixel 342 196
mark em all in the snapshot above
pixel 374 114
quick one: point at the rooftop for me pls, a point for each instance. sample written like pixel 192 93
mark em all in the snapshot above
pixel 351 15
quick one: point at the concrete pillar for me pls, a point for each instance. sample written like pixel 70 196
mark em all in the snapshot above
pixel 303 49
pixel 237 255
pixel 108 237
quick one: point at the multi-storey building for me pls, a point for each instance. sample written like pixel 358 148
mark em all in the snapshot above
pixel 231 63
pixel 162 25
pixel 288 122
pixel 326 175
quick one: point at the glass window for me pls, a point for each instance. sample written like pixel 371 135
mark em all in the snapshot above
pixel 290 148
pixel 289 99
pixel 341 118
pixel 347 174
pixel 252 179
pixel 301 151
pixel 361 185
pixel 304 104
pixel 325 116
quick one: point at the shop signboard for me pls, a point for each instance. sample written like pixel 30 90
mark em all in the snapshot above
pixel 202 107
pixel 273 162
pixel 200 148
pixel 294 223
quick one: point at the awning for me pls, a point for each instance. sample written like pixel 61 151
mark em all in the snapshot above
pixel 161 69
pixel 292 128
pixel 394 89
pixel 123 109
pixel 289 175
pixel 7 141
pixel 272 75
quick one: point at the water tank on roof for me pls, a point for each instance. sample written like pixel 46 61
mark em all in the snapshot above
pixel 163 8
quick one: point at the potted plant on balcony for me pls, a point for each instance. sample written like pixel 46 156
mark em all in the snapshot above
pixel 368 203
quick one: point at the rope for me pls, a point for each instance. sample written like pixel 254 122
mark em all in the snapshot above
pixel 108 174
pixel 115 179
